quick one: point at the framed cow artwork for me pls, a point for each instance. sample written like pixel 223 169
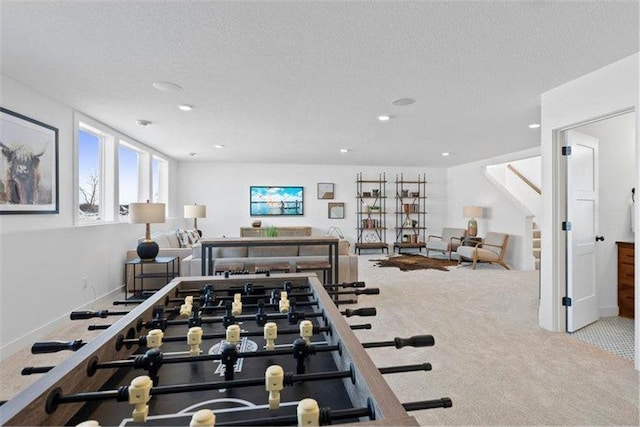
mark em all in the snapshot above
pixel 28 165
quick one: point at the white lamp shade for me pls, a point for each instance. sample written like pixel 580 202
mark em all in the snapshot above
pixel 195 211
pixel 146 213
pixel 472 212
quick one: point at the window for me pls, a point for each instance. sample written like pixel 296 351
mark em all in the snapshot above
pixel 89 174
pixel 129 178
pixel 113 172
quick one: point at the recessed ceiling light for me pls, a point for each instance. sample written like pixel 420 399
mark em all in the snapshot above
pixel 218 146
pixel 445 154
pixel 402 102
pixel 167 86
pixel 384 118
pixel 344 150
pixel 192 154
pixel 534 125
pixel 143 122
pixel 185 107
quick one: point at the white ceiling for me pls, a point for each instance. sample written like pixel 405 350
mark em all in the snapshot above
pixel 294 81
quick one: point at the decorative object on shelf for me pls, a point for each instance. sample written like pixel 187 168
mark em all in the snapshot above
pixel 195 211
pixel 325 190
pixel 147 213
pixel 375 192
pixel 404 193
pixel 30 159
pixel 276 201
pixel 256 224
pixel 336 210
pixel 472 212
pixel 366 194
pixel 272 231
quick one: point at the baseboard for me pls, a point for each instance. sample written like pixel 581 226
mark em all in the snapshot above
pixel 27 340
pixel 609 311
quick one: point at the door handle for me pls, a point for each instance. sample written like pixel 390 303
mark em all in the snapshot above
pixel 599 238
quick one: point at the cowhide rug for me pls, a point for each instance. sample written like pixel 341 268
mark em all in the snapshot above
pixel 408 262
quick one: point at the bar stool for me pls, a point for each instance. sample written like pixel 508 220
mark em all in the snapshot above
pixel 324 266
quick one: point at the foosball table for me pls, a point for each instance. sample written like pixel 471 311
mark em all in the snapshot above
pixel 237 350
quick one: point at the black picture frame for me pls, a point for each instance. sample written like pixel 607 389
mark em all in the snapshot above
pixel 29 176
pixel 274 200
pixel 335 210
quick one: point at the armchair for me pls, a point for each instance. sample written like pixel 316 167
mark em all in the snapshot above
pixel 491 249
pixel 448 242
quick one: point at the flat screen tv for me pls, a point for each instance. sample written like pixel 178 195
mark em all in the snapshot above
pixel 274 200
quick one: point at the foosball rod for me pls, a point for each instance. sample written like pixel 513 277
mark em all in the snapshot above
pixel 328 415
pixel 122 393
pixel 357 284
pixel 100 327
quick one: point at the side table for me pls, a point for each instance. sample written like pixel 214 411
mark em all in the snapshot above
pixel 471 241
pixel 170 262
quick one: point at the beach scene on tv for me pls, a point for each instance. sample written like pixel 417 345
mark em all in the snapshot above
pixel 276 200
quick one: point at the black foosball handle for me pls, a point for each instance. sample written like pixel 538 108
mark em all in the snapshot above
pixel 363 326
pixel 415 341
pixel 56 346
pixel 364 312
pixel 89 314
pixel 97 327
pixel 444 402
pixel 368 291
pixel 346 285
pixel 406 368
pixel 30 370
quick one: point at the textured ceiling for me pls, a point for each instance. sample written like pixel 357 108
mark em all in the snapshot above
pixel 294 81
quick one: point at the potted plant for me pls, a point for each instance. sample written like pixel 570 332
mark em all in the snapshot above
pixel 272 231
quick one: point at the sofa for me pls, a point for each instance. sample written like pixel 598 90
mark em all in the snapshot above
pixel 251 258
pixel 172 243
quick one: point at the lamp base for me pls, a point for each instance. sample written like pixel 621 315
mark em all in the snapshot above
pixel 147 250
pixel 472 228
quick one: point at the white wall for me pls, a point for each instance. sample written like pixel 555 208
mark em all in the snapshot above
pixel 612 88
pixel 224 188
pixel 616 169
pixel 44 257
pixel 468 185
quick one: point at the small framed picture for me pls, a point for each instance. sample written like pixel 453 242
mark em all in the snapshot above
pixel 336 210
pixel 325 190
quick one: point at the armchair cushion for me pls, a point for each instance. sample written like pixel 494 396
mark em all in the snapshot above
pixel 448 242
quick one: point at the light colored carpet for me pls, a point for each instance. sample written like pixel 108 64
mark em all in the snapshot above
pixel 490 356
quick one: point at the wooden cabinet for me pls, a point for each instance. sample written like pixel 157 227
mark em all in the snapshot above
pixel 371 214
pixel 626 278
pixel 410 213
pixel 282 231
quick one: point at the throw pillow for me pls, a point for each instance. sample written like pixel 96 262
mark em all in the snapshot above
pixel 184 237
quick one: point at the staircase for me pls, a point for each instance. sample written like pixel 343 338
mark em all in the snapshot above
pixel 536 245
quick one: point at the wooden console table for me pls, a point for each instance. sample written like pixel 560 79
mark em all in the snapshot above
pixel 282 231
pixel 330 242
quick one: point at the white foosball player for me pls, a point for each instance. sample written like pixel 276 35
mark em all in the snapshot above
pixel 284 304
pixel 139 396
pixel 308 413
pixel 89 423
pixel 274 383
pixel 270 335
pixel 233 334
pixel 306 330
pixel 203 418
pixel 187 307
pixel 194 339
pixel 236 305
pixel 154 338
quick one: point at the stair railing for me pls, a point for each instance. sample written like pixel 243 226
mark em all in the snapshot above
pixel 524 178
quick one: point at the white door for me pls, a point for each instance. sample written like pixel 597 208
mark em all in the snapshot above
pixel 582 212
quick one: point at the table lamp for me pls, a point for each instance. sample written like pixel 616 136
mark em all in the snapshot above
pixel 195 211
pixel 147 213
pixel 472 212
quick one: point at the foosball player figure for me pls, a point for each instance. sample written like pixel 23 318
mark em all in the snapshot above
pixel 89 423
pixel 233 334
pixel 283 304
pixel 274 383
pixel 306 331
pixel 308 413
pixel 139 396
pixel 270 335
pixel 236 305
pixel 203 418
pixel 154 338
pixel 194 339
